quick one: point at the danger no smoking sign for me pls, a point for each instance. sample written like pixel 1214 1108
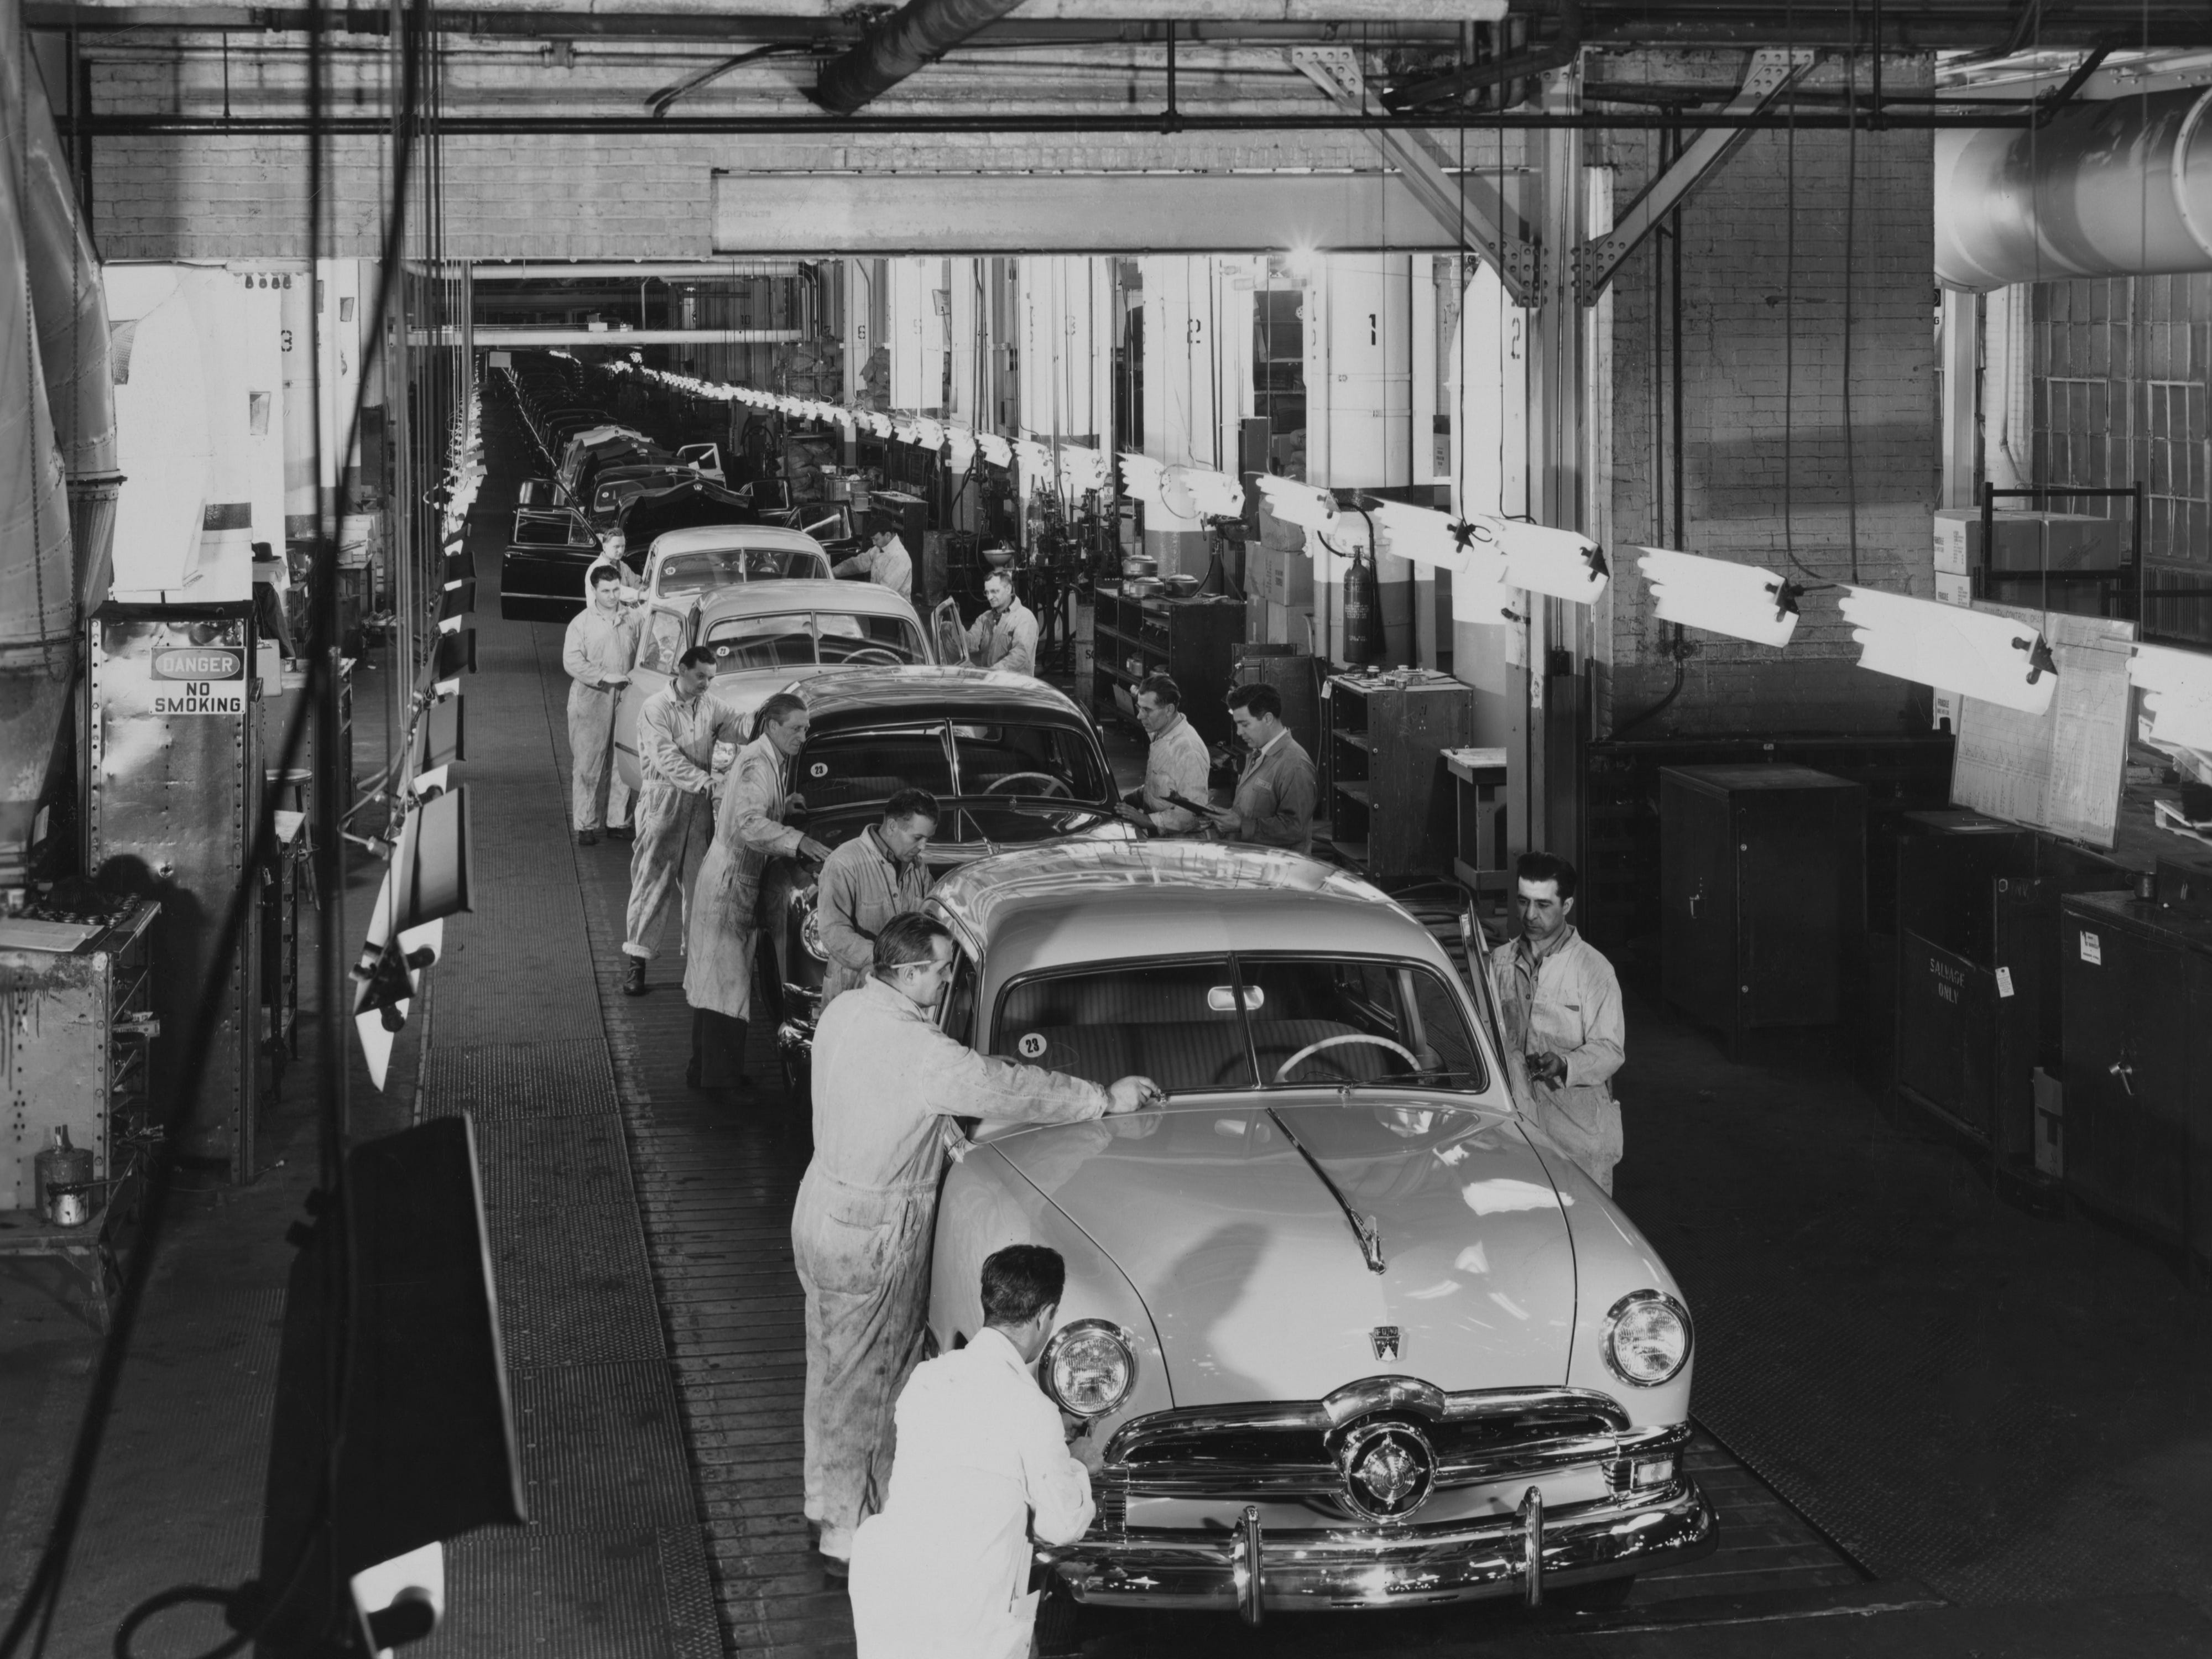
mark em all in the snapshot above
pixel 199 681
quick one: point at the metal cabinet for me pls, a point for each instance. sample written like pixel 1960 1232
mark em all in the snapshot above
pixel 1762 894
pixel 1387 793
pixel 75 1023
pixel 2138 1062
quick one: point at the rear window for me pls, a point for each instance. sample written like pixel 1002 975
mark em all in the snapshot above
pixel 726 566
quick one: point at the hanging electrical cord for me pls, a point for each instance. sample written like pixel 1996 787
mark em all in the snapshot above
pixel 1850 258
pixel 1790 336
pixel 34 1614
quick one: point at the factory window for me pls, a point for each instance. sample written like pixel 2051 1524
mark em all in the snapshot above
pixel 1278 375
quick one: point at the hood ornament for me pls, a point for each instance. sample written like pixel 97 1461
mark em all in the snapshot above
pixel 1385 1339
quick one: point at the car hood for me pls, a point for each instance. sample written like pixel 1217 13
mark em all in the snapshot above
pixel 1255 1281
pixel 972 829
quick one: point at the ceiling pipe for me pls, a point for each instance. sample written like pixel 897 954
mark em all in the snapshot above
pixel 2122 188
pixel 634 270
pixel 903 43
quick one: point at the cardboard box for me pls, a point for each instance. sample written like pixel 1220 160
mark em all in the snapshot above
pixel 2018 537
pixel 2086 541
pixel 1287 579
pixel 1954 589
pixel 1289 624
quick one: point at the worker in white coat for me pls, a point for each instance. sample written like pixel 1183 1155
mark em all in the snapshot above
pixel 676 730
pixel 943 1571
pixel 1561 1005
pixel 597 652
pixel 724 929
pixel 1004 636
pixel 887 1083
pixel 886 563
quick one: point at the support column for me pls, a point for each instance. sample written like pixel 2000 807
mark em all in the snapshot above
pixel 1543 796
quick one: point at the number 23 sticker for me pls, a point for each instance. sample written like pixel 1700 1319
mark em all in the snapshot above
pixel 1032 1045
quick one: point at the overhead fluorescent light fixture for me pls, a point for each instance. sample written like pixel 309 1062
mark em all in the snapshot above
pixel 1036 465
pixel 961 441
pixel 2177 688
pixel 1081 470
pixel 1953 648
pixel 1216 494
pixel 1720 596
pixel 1143 478
pixel 1564 564
pixel 1421 534
pixel 1302 504
pixel 996 450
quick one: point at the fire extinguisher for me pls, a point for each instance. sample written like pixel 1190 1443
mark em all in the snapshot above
pixel 1362 604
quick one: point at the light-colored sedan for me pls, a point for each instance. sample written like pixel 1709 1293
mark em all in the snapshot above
pixel 704 557
pixel 766 636
pixel 1343 1329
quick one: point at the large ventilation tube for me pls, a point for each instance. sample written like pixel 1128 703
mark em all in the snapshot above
pixel 901 45
pixel 2116 189
pixel 58 477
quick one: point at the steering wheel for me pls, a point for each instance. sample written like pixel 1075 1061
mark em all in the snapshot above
pixel 1053 785
pixel 1283 1071
pixel 882 653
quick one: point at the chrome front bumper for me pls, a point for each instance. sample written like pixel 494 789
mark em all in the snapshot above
pixel 1394 1567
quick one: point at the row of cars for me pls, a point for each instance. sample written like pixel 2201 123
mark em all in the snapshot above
pixel 1340 1328
pixel 610 489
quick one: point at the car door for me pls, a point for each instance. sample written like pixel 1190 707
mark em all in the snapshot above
pixel 541 571
pixel 947 637
pixel 661 638
pixel 705 459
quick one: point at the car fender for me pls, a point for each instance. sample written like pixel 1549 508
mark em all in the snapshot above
pixel 986 1205
pixel 1613 1259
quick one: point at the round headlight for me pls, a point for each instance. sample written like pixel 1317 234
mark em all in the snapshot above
pixel 1647 1338
pixel 1088 1367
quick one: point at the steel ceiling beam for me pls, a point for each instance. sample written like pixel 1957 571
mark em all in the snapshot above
pixel 1472 210
pixel 1772 74
pixel 154 123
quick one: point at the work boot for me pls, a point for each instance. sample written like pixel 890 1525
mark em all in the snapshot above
pixel 621 832
pixel 587 838
pixel 633 976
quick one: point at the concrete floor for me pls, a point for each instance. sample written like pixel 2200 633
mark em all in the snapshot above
pixel 2003 1419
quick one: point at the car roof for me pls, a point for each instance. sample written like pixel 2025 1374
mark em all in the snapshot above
pixel 803 594
pixel 859 696
pixel 1070 903
pixel 717 537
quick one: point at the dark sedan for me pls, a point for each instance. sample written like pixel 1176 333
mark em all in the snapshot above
pixel 1012 762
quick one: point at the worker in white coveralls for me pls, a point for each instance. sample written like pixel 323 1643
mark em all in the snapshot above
pixel 724 930
pixel 887 1085
pixel 943 1571
pixel 879 873
pixel 1561 1002
pixel 677 731
pixel 601 639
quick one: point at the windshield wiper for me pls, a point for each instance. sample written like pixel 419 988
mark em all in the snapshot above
pixel 1364 1227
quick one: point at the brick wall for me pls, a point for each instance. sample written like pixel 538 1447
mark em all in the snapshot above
pixel 1764 408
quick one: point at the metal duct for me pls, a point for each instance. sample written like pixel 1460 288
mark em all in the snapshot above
pixel 37 601
pixel 903 43
pixel 2116 189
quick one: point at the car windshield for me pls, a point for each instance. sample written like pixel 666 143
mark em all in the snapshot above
pixel 1291 1022
pixel 728 567
pixel 850 769
pixel 803 639
pixel 1015 760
